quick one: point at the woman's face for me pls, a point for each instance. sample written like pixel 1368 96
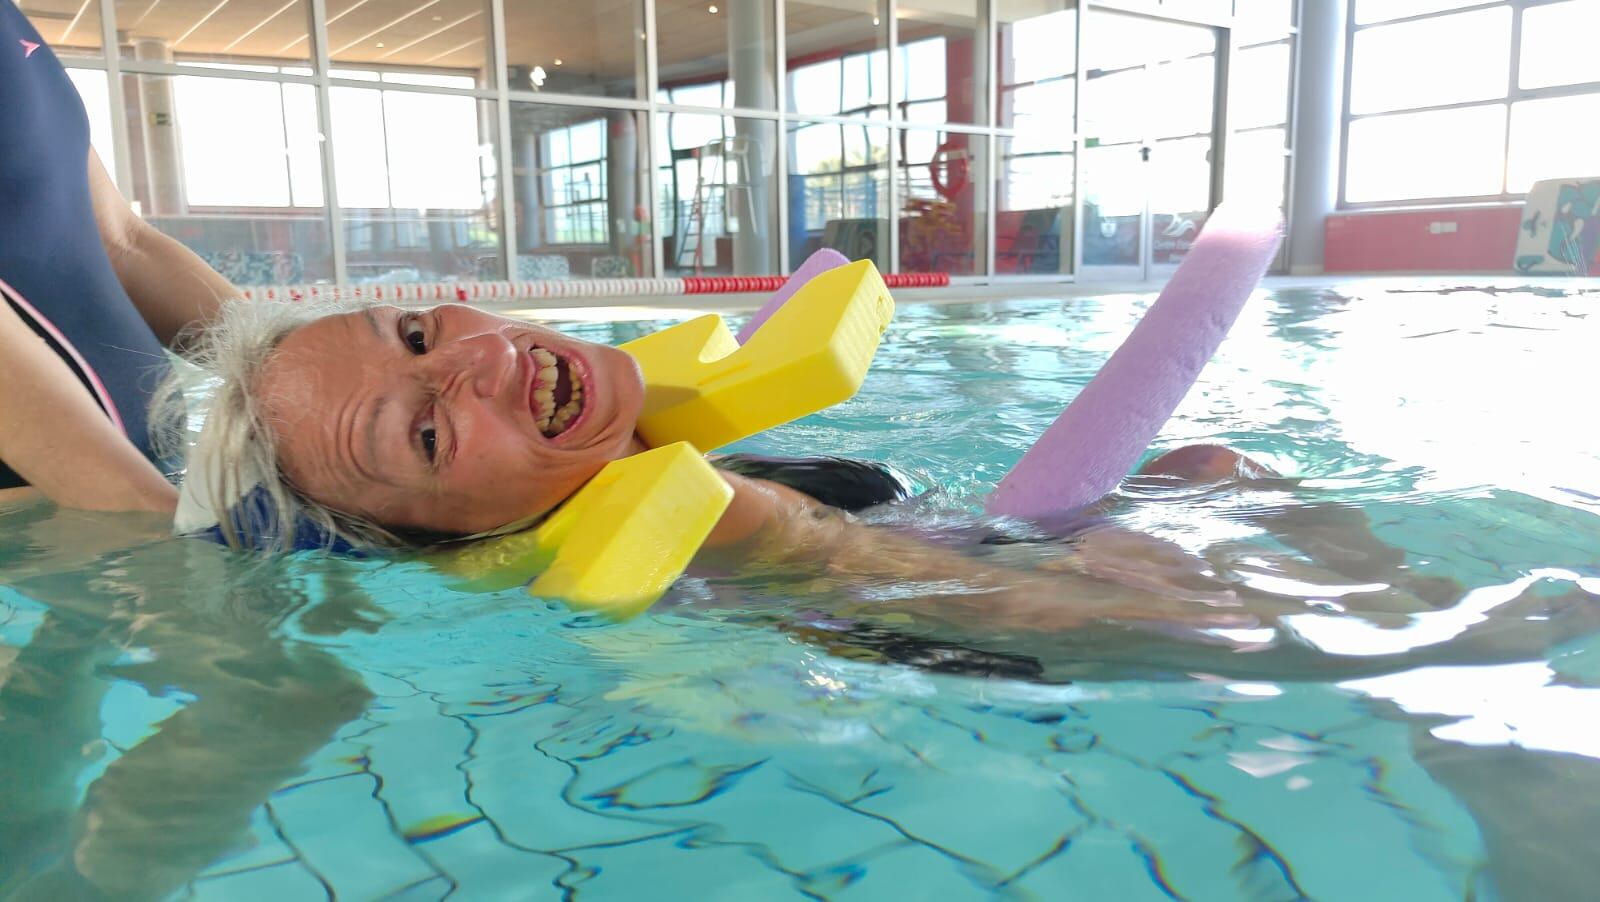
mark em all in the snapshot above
pixel 448 420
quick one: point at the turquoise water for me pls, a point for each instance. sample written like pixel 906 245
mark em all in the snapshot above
pixel 1411 718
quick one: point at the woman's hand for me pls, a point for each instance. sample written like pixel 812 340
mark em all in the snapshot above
pixel 1143 562
pixel 1031 602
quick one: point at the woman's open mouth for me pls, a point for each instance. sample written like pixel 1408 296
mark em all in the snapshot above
pixel 557 398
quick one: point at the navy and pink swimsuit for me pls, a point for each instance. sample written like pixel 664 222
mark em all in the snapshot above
pixel 53 268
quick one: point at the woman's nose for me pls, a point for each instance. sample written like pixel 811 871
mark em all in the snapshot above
pixel 483 364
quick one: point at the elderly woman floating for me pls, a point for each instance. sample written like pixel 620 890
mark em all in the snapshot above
pixel 395 428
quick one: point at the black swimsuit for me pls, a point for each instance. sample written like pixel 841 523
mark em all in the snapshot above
pixel 53 268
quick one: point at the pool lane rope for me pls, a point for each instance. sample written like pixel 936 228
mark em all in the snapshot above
pixel 468 292
pixel 1101 435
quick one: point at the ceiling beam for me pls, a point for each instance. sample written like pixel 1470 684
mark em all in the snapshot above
pixel 203 20
pixel 384 27
pixel 262 24
pixel 432 34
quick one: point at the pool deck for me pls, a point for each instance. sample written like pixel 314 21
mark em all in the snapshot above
pixel 647 308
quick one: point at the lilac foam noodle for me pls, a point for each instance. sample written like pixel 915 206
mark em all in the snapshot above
pixel 815 265
pixel 1097 440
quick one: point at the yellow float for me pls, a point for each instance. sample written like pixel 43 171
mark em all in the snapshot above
pixel 621 540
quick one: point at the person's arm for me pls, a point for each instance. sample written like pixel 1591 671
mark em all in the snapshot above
pixel 169 284
pixel 54 435
pixel 774 527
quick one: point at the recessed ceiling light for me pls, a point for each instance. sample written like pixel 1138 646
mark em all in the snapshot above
pixel 380 43
pixel 558 62
pixel 712 9
pixel 438 18
pixel 876 21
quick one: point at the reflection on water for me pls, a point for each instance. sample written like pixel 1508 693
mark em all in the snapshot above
pixel 1410 690
pixel 97 805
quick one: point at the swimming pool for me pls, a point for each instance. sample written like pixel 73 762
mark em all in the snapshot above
pixel 175 720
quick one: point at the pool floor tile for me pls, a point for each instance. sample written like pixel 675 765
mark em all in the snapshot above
pixel 344 834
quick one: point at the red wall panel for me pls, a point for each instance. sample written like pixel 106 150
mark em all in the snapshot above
pixel 1468 239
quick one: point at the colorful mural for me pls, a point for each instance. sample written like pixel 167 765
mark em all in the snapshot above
pixel 1561 228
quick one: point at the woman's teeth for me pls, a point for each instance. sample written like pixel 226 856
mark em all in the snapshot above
pixel 552 419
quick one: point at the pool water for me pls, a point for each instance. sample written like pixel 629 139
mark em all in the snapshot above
pixel 1410 718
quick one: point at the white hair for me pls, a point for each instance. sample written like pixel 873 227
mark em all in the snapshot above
pixel 209 409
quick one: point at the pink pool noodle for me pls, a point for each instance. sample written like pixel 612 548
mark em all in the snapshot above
pixel 815 265
pixel 1103 432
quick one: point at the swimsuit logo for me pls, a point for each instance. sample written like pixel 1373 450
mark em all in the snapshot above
pixel 27 47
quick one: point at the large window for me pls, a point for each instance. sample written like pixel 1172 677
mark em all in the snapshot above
pixel 574 184
pixel 1259 109
pixel 279 167
pixel 579 192
pixel 417 186
pixel 718 194
pixel 838 189
pixel 838 57
pixel 1452 100
pixel 231 166
pixel 924 83
pixel 383 159
pixel 293 142
pixel 1037 66
pixel 943 77
pixel 943 201
pixel 852 84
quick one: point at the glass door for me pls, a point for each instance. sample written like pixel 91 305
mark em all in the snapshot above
pixel 1150 94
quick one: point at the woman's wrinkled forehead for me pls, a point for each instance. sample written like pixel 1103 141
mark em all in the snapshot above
pixel 313 371
pixel 292 373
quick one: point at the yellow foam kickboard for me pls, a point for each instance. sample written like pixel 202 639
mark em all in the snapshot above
pixel 620 541
pixel 702 387
pixel 615 545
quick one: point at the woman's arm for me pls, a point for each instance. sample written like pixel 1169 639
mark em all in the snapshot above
pixel 771 526
pixel 169 284
pixel 57 438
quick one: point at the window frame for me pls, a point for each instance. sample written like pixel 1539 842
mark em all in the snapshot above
pixel 716 193
pixel 878 171
pixel 1514 95
pixel 872 112
pixel 906 117
pixel 548 171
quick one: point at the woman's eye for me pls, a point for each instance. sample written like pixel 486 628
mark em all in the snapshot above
pixel 430 442
pixel 416 339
